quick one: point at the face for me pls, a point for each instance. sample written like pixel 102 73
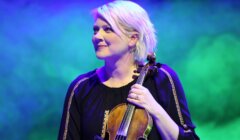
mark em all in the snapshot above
pixel 106 42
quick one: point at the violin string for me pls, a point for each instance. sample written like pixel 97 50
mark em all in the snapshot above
pixel 124 122
pixel 130 109
pixel 126 117
pixel 122 125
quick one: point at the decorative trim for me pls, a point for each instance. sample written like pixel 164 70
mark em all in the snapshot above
pixel 69 104
pixel 105 120
pixel 175 97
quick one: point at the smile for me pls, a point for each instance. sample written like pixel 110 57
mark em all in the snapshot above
pixel 101 46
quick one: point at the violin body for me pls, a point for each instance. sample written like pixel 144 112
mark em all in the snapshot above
pixel 128 122
pixel 139 128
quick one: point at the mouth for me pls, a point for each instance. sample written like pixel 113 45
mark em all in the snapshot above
pixel 101 46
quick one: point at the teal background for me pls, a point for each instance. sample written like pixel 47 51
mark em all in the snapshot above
pixel 45 44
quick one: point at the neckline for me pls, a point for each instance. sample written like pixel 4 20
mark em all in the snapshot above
pixel 133 81
pixel 124 86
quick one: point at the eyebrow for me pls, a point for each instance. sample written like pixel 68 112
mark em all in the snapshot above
pixel 102 26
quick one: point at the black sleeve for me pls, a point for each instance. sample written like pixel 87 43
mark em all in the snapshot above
pixel 180 115
pixel 70 122
pixel 186 129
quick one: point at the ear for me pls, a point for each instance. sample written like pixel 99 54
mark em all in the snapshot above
pixel 133 39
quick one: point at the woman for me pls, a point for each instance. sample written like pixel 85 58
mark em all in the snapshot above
pixel 123 37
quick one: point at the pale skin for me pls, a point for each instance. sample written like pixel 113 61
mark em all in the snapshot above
pixel 118 71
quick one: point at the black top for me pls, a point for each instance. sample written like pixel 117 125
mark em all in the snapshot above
pixel 103 98
pixel 87 99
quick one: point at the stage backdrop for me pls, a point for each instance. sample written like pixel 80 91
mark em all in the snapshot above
pixel 45 44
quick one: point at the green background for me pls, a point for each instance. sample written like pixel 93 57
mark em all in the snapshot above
pixel 45 44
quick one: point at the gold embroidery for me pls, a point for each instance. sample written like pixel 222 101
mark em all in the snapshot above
pixel 175 98
pixel 105 120
pixel 69 105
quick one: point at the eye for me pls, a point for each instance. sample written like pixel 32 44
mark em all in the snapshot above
pixel 108 29
pixel 95 29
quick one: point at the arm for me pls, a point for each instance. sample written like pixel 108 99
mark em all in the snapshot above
pixel 167 118
pixel 141 96
pixel 177 106
pixel 70 125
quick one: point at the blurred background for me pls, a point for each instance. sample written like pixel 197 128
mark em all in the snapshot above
pixel 45 44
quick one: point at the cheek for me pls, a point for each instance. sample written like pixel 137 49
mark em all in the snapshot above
pixel 116 43
pixel 119 47
pixel 116 40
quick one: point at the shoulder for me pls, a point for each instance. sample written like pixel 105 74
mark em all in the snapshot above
pixel 83 78
pixel 165 72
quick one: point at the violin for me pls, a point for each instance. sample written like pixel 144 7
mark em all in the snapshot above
pixel 128 122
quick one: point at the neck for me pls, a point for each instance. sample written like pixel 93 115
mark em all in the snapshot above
pixel 117 73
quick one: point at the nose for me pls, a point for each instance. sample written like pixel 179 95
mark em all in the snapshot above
pixel 98 35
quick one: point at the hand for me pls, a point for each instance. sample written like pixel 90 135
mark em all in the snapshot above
pixel 141 96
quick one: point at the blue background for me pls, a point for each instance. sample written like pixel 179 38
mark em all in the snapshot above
pixel 45 44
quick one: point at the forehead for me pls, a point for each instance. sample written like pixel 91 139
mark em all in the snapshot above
pixel 99 20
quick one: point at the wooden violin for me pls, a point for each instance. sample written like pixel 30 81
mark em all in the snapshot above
pixel 128 122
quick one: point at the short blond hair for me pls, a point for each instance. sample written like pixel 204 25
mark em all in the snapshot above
pixel 126 17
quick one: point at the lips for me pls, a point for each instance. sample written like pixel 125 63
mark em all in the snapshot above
pixel 101 46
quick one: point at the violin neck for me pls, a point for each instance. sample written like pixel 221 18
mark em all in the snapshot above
pixel 142 76
pixel 130 109
pixel 140 80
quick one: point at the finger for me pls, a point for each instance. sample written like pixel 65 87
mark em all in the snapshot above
pixel 134 101
pixel 135 91
pixel 138 86
pixel 133 96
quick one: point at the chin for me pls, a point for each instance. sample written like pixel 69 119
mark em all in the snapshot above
pixel 101 57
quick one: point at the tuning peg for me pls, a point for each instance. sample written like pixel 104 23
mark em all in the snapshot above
pixel 155 69
pixel 136 71
pixel 158 65
pixel 151 58
pixel 141 65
